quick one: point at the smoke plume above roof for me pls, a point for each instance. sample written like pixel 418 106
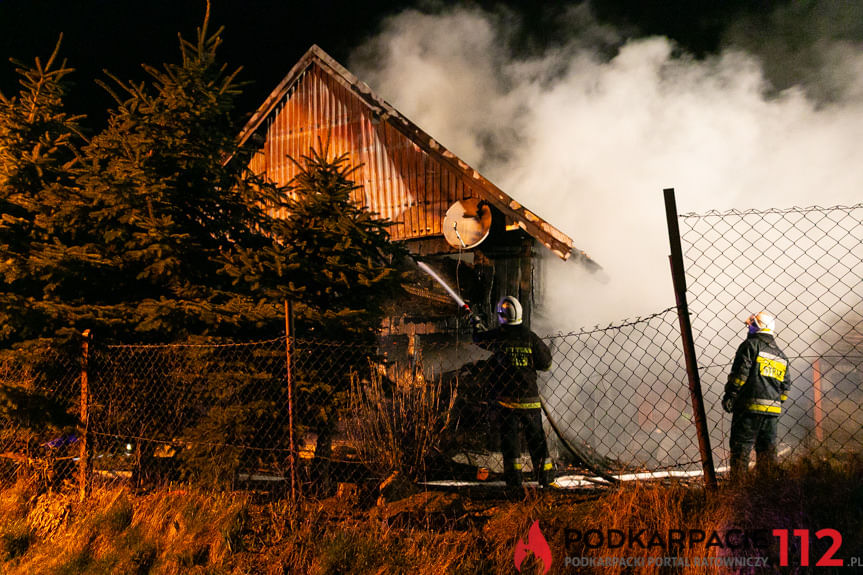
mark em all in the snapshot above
pixel 588 132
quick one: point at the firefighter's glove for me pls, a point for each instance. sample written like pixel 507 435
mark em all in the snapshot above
pixel 728 402
pixel 476 323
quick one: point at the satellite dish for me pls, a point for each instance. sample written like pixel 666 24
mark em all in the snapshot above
pixel 467 223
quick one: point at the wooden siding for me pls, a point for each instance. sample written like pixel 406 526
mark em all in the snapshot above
pixel 406 174
pixel 399 180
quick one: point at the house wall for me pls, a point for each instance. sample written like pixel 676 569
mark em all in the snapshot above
pixel 405 176
pixel 443 340
pixel 396 178
pixel 481 277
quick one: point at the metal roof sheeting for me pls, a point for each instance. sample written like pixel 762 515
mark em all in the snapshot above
pixel 404 175
pixel 397 179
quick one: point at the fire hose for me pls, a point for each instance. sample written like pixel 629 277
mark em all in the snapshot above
pixel 581 455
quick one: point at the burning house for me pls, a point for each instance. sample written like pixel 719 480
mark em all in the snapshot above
pixel 474 236
pixel 472 242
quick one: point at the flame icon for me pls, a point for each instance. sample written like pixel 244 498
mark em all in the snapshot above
pixel 537 544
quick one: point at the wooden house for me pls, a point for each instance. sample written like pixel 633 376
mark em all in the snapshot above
pixel 477 238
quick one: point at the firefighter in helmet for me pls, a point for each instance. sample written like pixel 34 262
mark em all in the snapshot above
pixel 517 353
pixel 756 389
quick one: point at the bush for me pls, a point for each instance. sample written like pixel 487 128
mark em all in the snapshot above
pixel 398 423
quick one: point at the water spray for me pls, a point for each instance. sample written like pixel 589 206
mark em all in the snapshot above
pixel 450 291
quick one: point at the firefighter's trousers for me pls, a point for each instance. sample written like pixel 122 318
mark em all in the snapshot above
pixel 748 429
pixel 513 420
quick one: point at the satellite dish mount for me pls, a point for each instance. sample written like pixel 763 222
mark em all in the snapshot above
pixel 467 223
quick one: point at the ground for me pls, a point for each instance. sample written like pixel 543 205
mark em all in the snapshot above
pixel 669 526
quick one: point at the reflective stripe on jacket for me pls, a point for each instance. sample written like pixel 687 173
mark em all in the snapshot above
pixel 759 377
pixel 524 403
pixel 517 353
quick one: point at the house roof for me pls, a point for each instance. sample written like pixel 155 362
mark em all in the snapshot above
pixel 470 180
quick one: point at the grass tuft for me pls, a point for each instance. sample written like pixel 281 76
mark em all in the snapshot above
pixel 190 532
pixel 118 515
pixel 15 539
pixel 399 421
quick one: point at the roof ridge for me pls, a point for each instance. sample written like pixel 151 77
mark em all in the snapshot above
pixel 554 239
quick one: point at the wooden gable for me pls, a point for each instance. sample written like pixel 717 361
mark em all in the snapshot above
pixel 405 175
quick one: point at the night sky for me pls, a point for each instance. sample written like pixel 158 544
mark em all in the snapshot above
pixel 266 37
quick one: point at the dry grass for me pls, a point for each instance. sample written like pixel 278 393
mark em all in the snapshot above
pixel 116 532
pixel 398 423
pixel 189 532
pixel 655 510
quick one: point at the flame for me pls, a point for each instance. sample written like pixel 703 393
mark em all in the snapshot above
pixel 537 544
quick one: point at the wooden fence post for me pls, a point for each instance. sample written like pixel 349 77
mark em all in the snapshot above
pixel 84 448
pixel 289 332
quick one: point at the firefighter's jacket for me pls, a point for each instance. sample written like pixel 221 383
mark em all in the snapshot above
pixel 517 354
pixel 759 378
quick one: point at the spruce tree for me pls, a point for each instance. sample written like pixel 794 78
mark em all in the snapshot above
pixel 41 245
pixel 41 249
pixel 331 256
pixel 128 235
pixel 335 259
pixel 171 209
pixel 173 200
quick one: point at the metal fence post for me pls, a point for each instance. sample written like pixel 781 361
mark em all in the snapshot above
pixel 817 413
pixel 84 451
pixel 289 332
pixel 679 279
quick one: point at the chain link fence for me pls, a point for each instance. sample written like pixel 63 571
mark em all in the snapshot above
pixel 617 398
pixel 309 418
pixel 805 267
pixel 305 416
pixel 39 411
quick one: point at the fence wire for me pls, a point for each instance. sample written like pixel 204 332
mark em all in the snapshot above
pixel 620 399
pixel 39 409
pixel 805 267
pixel 220 415
pixel 307 417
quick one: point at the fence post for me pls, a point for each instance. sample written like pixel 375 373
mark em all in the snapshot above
pixel 679 279
pixel 817 414
pixel 84 450
pixel 289 333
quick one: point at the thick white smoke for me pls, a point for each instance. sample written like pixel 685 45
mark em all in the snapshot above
pixel 589 142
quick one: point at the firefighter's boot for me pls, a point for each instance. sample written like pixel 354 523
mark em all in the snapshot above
pixel 543 471
pixel 512 473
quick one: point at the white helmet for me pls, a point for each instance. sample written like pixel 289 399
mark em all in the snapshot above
pixel 761 322
pixel 509 311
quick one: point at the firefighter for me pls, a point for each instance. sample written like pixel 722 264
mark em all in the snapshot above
pixel 517 353
pixel 756 389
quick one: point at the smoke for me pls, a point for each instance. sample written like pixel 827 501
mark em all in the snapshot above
pixel 588 132
pixel 815 45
